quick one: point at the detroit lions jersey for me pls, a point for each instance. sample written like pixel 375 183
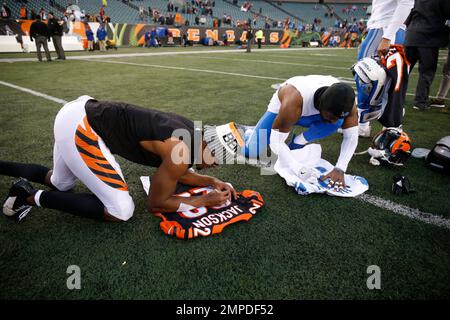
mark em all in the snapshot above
pixel 389 15
pixel 307 86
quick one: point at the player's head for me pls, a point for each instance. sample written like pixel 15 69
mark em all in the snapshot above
pixel 336 101
pixel 370 78
pixel 220 145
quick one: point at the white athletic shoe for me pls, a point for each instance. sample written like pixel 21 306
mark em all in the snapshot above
pixel 364 131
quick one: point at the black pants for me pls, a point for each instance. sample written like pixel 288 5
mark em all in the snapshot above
pixel 58 47
pixel 41 41
pixel 428 59
pixel 259 43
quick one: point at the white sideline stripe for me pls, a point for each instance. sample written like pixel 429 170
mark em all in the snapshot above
pixel 188 69
pixel 34 93
pixel 374 200
pixel 162 53
pixel 412 213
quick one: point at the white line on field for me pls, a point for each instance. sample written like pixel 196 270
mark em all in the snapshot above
pixel 343 79
pixel 412 213
pixel 279 62
pixel 188 69
pixel 34 93
pixel 162 53
pixel 415 214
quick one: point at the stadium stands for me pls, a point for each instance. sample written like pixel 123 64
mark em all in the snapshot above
pixel 123 11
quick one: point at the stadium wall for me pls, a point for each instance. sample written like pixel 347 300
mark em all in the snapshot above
pixel 131 34
pixel 327 1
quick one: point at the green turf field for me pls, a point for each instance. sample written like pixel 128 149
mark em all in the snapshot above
pixel 314 247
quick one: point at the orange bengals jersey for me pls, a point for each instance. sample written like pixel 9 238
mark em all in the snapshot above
pixel 206 221
pixel 397 70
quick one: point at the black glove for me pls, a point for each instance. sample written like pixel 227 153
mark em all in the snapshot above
pixel 401 185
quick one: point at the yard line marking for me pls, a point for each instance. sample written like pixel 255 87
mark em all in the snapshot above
pixel 188 69
pixel 415 214
pixel 278 62
pixel 403 210
pixel 343 79
pixel 34 93
pixel 163 53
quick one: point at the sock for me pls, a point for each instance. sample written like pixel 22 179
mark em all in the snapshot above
pixel 80 204
pixel 31 172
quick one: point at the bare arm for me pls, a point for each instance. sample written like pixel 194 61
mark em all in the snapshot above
pixel 398 19
pixel 290 113
pixel 352 119
pixel 348 147
pixel 192 178
pixel 164 182
pixel 290 110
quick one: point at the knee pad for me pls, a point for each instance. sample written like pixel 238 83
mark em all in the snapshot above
pixel 123 209
pixel 62 185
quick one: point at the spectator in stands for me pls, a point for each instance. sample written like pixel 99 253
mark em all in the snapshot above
pixel 170 20
pixel 23 12
pixel 102 12
pixel 141 13
pixel 33 14
pixel 39 32
pixel 101 37
pixel 42 14
pixel 197 20
pixel 5 12
pixel 266 23
pixel 90 38
pixel 55 31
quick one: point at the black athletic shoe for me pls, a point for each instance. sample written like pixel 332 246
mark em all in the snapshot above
pixel 16 205
pixel 437 103
pixel 422 108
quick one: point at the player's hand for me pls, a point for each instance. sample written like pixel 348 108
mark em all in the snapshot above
pixel 216 198
pixel 383 47
pixel 337 180
pixel 223 186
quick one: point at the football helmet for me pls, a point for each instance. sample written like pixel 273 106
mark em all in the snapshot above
pixel 370 77
pixel 392 146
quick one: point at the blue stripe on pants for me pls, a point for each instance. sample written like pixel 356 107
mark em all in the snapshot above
pixel 258 140
pixel 370 44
